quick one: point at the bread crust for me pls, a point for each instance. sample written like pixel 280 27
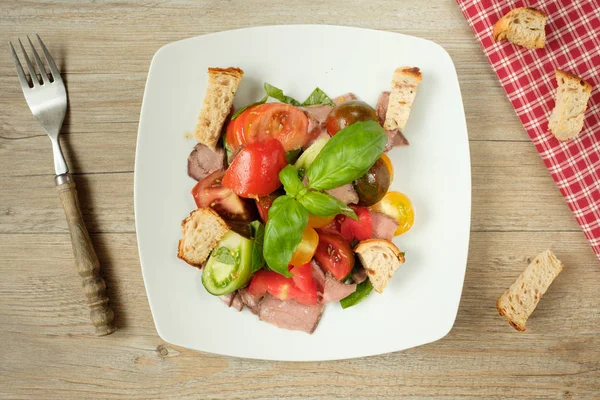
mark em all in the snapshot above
pixel 232 71
pixel 379 275
pixel 503 27
pixel 202 213
pixel 518 302
pixel 574 78
pixel 217 103
pixel 571 100
pixel 405 83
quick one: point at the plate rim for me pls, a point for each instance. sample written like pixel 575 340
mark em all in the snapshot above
pixel 162 334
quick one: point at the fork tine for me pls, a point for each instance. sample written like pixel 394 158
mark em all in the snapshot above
pixel 49 60
pixel 39 63
pixel 34 78
pixel 22 77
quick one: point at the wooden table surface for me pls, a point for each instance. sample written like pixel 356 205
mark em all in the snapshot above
pixel 104 50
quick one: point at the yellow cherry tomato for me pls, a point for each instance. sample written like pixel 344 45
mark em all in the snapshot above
pixel 388 164
pixel 398 206
pixel 307 247
pixel 319 222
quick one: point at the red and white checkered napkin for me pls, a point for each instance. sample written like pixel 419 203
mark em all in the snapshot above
pixel 573 45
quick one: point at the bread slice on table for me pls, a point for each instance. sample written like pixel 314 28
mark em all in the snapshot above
pixel 572 95
pixel 380 258
pixel 405 82
pixel 523 26
pixel 521 298
pixel 218 99
pixel 201 232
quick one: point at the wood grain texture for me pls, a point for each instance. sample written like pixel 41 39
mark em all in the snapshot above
pixel 86 261
pixel 104 49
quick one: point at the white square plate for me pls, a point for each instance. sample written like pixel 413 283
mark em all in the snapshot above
pixel 420 304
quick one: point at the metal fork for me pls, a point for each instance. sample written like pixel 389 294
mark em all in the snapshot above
pixel 47 98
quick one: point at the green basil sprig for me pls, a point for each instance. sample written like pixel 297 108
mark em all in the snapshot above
pixel 324 205
pixel 283 233
pixel 291 183
pixel 318 97
pixel 347 156
pixel 362 291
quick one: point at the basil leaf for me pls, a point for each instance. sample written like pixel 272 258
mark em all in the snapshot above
pixel 318 97
pixel 347 156
pixel 258 233
pixel 325 205
pixel 291 183
pixel 224 255
pixel 361 293
pixel 241 110
pixel 277 94
pixel 283 233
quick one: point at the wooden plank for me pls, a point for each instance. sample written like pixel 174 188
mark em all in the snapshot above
pixel 50 352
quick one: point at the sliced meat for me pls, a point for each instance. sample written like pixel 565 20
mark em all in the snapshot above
pixel 382 105
pixel 237 302
pixel 344 97
pixel 228 298
pixel 202 161
pixel 360 275
pixel 345 193
pixel 384 226
pixel 321 134
pixel 400 140
pixel 319 113
pixel 336 290
pixel 318 277
pixel 329 288
pixel 289 314
pixel 314 126
pixel 395 139
pixel 249 300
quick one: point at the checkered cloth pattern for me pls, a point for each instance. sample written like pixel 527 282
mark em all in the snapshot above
pixel 573 45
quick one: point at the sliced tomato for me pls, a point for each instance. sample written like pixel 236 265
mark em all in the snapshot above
pixel 334 254
pixel 359 230
pixel 280 287
pixel 306 248
pixel 210 192
pixel 264 204
pixel 304 281
pixel 319 222
pixel 398 206
pixel 254 171
pixel 284 122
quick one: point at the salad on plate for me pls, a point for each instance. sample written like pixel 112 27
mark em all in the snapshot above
pixel 293 208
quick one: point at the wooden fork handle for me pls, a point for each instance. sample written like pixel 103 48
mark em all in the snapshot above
pixel 86 260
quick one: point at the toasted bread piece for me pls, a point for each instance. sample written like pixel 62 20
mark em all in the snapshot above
pixel 380 258
pixel 523 26
pixel 201 232
pixel 521 298
pixel 572 95
pixel 404 89
pixel 222 85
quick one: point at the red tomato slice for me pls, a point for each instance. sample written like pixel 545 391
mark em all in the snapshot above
pixel 334 254
pixel 359 230
pixel 303 278
pixel 284 122
pixel 264 205
pixel 254 171
pixel 284 288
